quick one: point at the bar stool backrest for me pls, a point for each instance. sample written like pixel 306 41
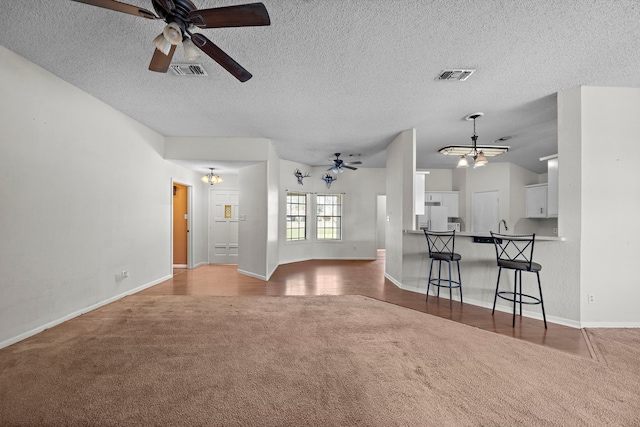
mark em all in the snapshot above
pixel 514 250
pixel 441 242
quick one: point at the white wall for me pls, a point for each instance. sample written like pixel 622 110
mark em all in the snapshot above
pixel 360 189
pixel 273 212
pixel 401 167
pixel 85 194
pixel 253 231
pixel 438 180
pixel 610 204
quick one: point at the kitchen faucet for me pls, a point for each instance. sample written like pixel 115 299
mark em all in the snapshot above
pixel 502 221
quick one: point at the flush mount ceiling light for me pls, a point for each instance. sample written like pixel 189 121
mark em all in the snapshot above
pixel 211 178
pixel 478 153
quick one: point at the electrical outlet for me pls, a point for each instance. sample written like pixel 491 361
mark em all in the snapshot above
pixel 592 298
pixel 125 273
pixel 118 277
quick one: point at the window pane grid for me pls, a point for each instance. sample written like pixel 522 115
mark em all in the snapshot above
pixel 296 216
pixel 329 217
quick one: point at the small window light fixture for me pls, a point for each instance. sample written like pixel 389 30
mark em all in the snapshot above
pixel 211 178
pixel 478 153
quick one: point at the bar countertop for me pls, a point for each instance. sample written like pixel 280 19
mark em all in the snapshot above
pixel 471 234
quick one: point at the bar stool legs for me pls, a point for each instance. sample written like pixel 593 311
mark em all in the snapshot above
pixel 517 295
pixel 449 282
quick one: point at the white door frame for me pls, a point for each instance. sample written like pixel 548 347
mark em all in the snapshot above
pixel 189 223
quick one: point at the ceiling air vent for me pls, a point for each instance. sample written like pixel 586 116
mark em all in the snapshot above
pixel 188 70
pixel 459 75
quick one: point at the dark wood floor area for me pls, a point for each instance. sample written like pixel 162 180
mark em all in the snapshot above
pixel 329 277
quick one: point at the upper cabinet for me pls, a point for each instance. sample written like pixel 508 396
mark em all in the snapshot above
pixel 537 201
pixel 542 199
pixel 433 197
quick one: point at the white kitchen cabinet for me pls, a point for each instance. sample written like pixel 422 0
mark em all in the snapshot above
pixel 432 197
pixel 536 196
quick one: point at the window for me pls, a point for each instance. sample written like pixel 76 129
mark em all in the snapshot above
pixel 296 216
pixel 329 217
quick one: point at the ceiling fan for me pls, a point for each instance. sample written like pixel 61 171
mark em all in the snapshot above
pixel 339 165
pixel 182 17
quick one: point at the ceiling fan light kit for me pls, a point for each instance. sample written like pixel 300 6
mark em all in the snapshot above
pixel 182 16
pixel 191 52
pixel 172 33
pixel 478 153
pixel 162 44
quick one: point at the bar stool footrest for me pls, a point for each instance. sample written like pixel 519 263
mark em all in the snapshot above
pixel 511 296
pixel 436 282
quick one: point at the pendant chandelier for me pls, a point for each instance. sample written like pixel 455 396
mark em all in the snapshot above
pixel 211 178
pixel 478 153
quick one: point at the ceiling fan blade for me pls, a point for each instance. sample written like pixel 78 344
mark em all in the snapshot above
pixel 358 162
pixel 120 7
pixel 349 167
pixel 220 57
pixel 160 62
pixel 244 15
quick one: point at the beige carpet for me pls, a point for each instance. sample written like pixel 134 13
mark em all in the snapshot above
pixel 274 361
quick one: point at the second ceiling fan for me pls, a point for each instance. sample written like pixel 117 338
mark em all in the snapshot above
pixel 339 165
pixel 182 17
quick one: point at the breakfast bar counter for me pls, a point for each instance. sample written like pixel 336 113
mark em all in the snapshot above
pixel 479 273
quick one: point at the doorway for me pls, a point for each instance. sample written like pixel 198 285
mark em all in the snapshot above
pixel 180 225
pixel 223 226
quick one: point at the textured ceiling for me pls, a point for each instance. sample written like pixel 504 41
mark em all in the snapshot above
pixel 348 76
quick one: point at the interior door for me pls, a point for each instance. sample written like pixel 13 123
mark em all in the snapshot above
pixel 180 225
pixel 223 226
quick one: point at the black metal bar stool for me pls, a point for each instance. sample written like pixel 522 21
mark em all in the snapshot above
pixel 441 246
pixel 515 252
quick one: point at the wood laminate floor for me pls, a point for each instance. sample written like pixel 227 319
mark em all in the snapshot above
pixel 331 277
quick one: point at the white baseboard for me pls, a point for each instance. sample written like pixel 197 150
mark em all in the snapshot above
pixel 201 264
pixel 394 281
pixel 248 273
pixel 506 309
pixel 180 266
pixel 595 325
pixel 80 312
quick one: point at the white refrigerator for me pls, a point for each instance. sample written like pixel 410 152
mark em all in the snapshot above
pixel 434 219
